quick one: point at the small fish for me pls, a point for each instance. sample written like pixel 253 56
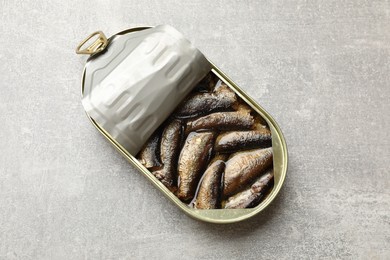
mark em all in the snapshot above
pixel 251 197
pixel 243 140
pixel 243 167
pixel 209 191
pixel 193 160
pixel 149 155
pixel 170 149
pixel 204 103
pixel 239 120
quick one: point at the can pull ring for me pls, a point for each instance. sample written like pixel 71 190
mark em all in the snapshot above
pixel 97 46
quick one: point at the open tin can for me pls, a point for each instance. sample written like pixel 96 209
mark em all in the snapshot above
pixel 198 137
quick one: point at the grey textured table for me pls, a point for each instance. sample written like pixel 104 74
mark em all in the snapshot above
pixel 321 68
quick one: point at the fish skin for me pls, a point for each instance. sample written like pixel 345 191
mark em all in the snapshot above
pixel 149 155
pixel 237 120
pixel 204 103
pixel 251 197
pixel 243 140
pixel 207 83
pixel 193 159
pixel 219 156
pixel 209 191
pixel 169 151
pixel 243 167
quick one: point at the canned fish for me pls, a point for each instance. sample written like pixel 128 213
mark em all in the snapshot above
pixel 204 143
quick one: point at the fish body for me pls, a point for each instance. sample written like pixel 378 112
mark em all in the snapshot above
pixel 193 160
pixel 203 103
pixel 243 167
pixel 222 121
pixel 209 191
pixel 169 150
pixel 243 140
pixel 149 155
pixel 251 197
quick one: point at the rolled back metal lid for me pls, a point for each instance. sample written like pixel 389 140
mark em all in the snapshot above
pixel 138 80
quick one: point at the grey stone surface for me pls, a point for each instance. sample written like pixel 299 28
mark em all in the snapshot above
pixel 321 68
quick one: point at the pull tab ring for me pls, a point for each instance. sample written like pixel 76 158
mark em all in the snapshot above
pixel 97 46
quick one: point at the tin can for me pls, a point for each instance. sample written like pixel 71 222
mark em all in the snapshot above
pixel 136 83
